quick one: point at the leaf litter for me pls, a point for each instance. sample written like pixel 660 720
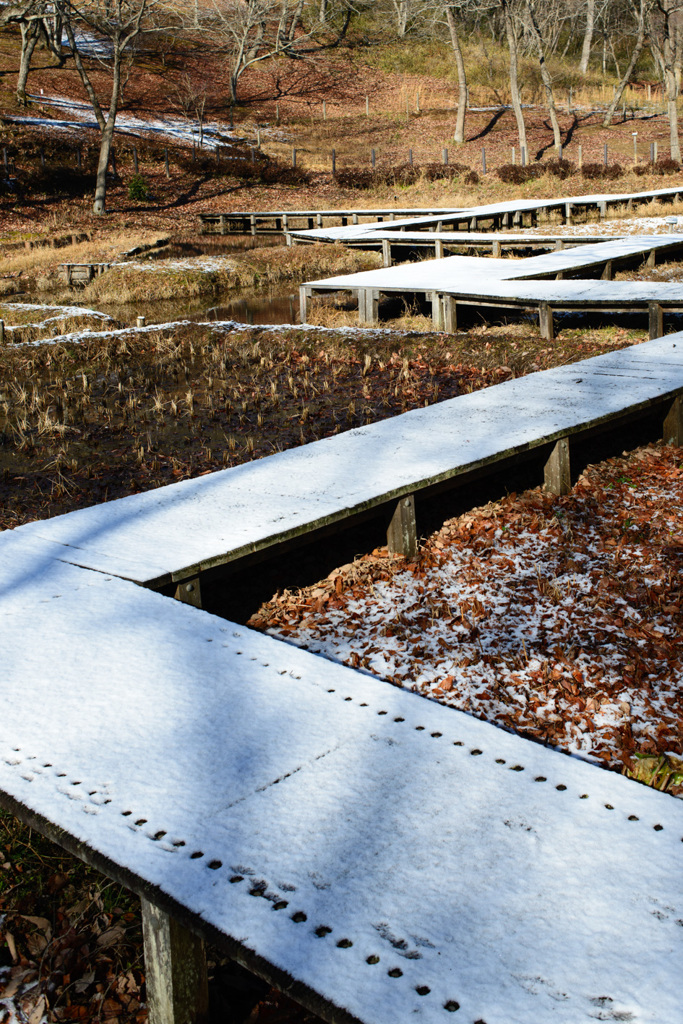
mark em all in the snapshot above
pixel 558 618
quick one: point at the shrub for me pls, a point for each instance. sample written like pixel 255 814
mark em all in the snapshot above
pixel 138 189
pixel 664 166
pixel 471 178
pixel 515 174
pixel 355 177
pixel 560 168
pixel 607 171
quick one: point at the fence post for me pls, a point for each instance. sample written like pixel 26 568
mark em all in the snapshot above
pixel 635 147
pixel 372 158
pixel 580 157
pixel 514 156
pixel 417 102
pixel 258 137
pixel 2 332
pixel 277 113
pixel 324 111
pixel 483 159
pixel 168 169
pixel 523 155
pixel 334 161
pixel 606 155
pixel 654 144
pixel 410 157
pixel 367 106
pixel 293 157
pixel 559 152
pixel 444 156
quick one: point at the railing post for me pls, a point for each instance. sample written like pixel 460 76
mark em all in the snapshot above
pixel 386 252
pixel 557 471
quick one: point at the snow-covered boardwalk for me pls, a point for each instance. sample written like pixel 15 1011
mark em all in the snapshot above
pixel 503 283
pixel 339 225
pixel 174 534
pixel 379 856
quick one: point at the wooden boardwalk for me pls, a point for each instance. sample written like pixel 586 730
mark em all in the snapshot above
pixel 175 534
pixel 292 811
pixel 543 283
pixel 337 225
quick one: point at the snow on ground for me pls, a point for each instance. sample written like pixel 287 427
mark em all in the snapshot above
pixel 171 126
pixel 617 226
pixel 558 618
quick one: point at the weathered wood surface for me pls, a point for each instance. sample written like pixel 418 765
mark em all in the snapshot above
pixel 334 834
pixel 173 533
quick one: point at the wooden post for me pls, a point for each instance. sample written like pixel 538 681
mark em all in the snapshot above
pixel 368 305
pixel 496 249
pixel 437 312
pixel 2 332
pixel 523 155
pixel 483 159
pixel 655 316
pixel 545 321
pixel 672 432
pixel 580 157
pixel 167 168
pixel 607 271
pixel 410 157
pixel 513 156
pixel 277 113
pixel 473 223
pixel 444 156
pixel 438 249
pixel 324 111
pixel 140 321
pixel 557 475
pixel 402 531
pixel 367 106
pixel 568 211
pixel 386 252
pixel 189 592
pixel 372 158
pixel 293 157
pixel 175 969
pixel 450 314
pixel 602 209
pixel 304 295
pixel 605 156
pixel 334 161
pixel 651 258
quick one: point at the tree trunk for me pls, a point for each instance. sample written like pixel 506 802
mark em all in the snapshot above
pixel 29 38
pixel 545 75
pixel 459 134
pixel 626 77
pixel 587 37
pixel 672 109
pixel 99 205
pixel 511 33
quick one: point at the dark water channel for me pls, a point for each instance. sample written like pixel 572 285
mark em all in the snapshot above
pixel 277 305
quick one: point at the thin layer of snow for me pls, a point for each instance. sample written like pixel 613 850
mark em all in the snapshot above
pixel 190 524
pixel 275 794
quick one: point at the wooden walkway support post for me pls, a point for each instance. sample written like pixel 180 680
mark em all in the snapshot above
pixel 2 332
pixel 545 321
pixel 402 531
pixel 450 314
pixel 368 305
pixel 437 310
pixel 655 316
pixel 386 252
pixel 175 970
pixel 557 471
pixel 672 432
pixel 189 592
pixel 304 295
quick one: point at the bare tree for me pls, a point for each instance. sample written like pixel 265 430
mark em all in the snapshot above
pixel 39 22
pixel 511 21
pixel 664 25
pixel 640 9
pixel 117 25
pixel 459 133
pixel 251 31
pixel 587 36
pixel 545 74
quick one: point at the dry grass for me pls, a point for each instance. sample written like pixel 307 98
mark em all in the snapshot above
pixel 103 249
pixel 253 268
